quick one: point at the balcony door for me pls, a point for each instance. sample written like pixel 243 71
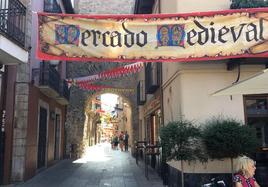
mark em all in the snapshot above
pixel 42 139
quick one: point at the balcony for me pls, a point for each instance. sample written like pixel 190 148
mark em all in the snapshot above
pixel 52 6
pixel 13 20
pixel 152 77
pixel 49 80
pixel 64 95
pixel 141 96
pixel 12 32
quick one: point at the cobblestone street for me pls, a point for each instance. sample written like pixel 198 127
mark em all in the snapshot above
pixel 101 167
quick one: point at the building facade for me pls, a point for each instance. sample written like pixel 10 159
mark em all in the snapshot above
pixel 80 99
pixel 35 96
pixel 187 93
pixel 13 37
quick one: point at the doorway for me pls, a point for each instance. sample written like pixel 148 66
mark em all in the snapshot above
pixel 42 138
pixel 256 114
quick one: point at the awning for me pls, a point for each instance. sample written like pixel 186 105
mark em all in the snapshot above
pixel 256 84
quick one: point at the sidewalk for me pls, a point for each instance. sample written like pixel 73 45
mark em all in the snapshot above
pixel 101 167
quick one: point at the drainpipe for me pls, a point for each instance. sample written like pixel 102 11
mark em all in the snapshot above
pixel 161 94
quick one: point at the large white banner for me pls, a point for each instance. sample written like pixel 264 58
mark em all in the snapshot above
pixel 176 37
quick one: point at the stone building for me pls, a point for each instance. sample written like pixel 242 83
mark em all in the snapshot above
pixel 35 98
pixel 13 37
pixel 80 100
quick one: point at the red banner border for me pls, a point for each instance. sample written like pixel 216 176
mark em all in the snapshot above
pixel 44 56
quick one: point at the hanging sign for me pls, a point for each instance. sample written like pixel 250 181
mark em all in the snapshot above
pixel 175 37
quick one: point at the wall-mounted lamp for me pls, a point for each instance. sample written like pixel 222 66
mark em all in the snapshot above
pixel 52 115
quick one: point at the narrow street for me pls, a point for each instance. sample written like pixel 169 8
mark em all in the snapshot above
pixel 101 166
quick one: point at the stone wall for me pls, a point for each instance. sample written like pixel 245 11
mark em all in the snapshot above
pixel 79 100
pixel 21 107
pixel 75 125
pixel 104 7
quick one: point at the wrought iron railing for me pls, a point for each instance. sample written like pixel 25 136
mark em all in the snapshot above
pixel 64 90
pixel 52 6
pixel 13 20
pixel 49 76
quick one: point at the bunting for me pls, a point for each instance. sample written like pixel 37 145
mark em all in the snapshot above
pixel 108 74
pixel 87 86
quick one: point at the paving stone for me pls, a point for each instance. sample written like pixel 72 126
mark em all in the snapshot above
pixel 117 170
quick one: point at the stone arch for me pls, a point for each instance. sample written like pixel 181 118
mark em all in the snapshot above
pixel 91 127
pixel 77 115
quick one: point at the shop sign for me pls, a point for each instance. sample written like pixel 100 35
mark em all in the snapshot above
pixel 161 37
pixel 152 105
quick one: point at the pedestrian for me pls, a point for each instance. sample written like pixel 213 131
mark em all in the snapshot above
pixel 245 169
pixel 115 142
pixel 121 140
pixel 126 141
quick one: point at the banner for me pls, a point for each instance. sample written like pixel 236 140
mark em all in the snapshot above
pixel 148 38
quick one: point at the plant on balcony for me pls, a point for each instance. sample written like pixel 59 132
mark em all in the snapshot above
pixel 228 138
pixel 180 141
pixel 237 4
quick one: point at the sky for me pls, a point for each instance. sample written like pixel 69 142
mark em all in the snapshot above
pixel 72 2
pixel 108 101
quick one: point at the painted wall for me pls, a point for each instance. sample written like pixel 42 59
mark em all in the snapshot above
pixel 9 120
pixel 188 87
pixel 189 94
pixel 32 132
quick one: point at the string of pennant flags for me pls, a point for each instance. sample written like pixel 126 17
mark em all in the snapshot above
pixel 87 86
pixel 85 83
pixel 108 74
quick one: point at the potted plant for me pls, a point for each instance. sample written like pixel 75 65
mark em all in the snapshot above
pixel 237 4
pixel 228 138
pixel 180 141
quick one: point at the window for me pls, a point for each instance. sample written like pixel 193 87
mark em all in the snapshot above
pixel 256 108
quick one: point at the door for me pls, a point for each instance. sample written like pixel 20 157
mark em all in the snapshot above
pixel 57 138
pixel 2 120
pixel 256 108
pixel 42 139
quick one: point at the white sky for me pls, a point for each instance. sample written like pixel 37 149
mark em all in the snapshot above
pixel 108 101
pixel 72 2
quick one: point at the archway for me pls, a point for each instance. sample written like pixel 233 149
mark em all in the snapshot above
pixel 102 123
pixel 84 121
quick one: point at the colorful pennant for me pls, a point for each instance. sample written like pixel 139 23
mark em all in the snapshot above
pixel 108 74
pixel 87 86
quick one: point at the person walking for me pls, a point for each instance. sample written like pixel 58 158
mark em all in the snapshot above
pixel 126 136
pixel 121 140
pixel 245 169
pixel 115 142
